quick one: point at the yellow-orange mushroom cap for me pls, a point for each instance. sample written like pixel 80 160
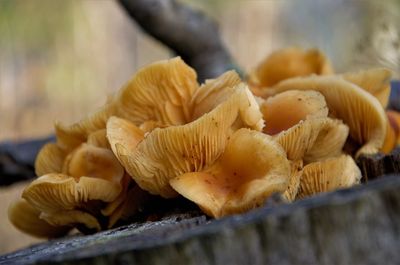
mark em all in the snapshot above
pixel 251 168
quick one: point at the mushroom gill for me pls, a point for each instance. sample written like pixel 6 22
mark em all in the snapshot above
pixel 329 175
pixel 376 81
pixel 50 159
pixel 296 170
pixel 166 153
pixel 357 108
pixel 251 168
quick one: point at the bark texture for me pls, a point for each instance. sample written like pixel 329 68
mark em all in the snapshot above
pixel 189 33
pixel 353 226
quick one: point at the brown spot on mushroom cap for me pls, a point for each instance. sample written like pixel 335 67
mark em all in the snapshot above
pixel 169 152
pixel 288 108
pixel 294 180
pixel 361 111
pixel 330 141
pixel 27 219
pixel 58 192
pixel 329 175
pixel 287 63
pixel 50 159
pixel 251 168
pixel 375 81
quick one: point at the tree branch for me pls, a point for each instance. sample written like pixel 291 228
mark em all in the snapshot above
pixel 189 33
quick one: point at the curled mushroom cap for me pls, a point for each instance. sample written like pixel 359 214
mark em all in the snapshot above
pixel 251 168
pixel 27 219
pixel 95 162
pixel 298 140
pixel 288 108
pixel 330 141
pixel 166 153
pixel 375 81
pixel 213 92
pixel 287 63
pixel 123 132
pixel 329 175
pixel 357 108
pixel 56 192
pixel 160 92
pixel 50 159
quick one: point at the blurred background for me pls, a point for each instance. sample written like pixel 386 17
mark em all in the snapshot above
pixel 60 59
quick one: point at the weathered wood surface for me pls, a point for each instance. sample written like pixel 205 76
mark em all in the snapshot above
pixel 378 165
pixel 360 225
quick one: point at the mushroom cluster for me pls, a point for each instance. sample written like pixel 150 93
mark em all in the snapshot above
pixel 226 145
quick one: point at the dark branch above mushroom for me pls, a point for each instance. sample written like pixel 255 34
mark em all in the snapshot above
pixel 189 33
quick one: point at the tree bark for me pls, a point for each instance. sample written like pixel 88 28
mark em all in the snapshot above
pixel 189 33
pixel 353 226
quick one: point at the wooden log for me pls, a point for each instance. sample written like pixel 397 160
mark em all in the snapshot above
pixel 360 225
pixel 17 159
pixel 378 165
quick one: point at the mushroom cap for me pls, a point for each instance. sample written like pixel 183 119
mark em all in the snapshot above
pixel 376 81
pixel 287 63
pixel 294 180
pixel 329 175
pixel 166 153
pixel 213 92
pixel 27 219
pixel 50 159
pixel 390 139
pixel 361 111
pixel 160 92
pixel 251 168
pixel 94 162
pixel 57 192
pixel 99 139
pixel 121 131
pixel 298 140
pixel 330 141
pixel 288 108
pixel 394 120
